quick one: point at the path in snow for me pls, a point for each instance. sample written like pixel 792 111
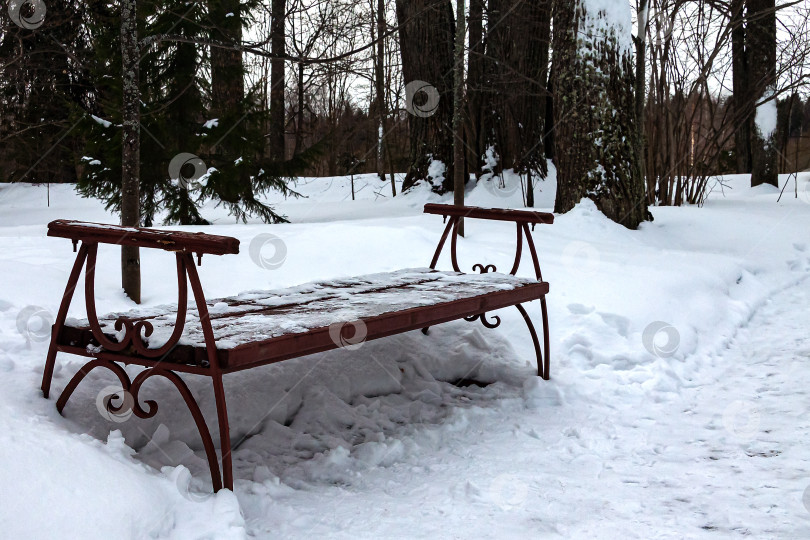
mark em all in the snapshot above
pixel 746 466
pixel 722 457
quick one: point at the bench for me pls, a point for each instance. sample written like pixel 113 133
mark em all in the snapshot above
pixel 261 327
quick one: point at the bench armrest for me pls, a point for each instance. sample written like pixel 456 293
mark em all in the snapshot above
pixel 521 218
pixel 499 214
pixel 178 241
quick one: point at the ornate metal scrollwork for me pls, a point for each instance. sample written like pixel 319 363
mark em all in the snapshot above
pixel 484 269
pixel 484 321
pixel 135 330
pixel 522 231
pixel 131 401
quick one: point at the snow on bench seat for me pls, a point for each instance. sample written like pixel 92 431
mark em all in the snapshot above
pixel 259 327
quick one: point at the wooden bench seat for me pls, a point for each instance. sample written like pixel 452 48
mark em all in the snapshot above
pixel 215 337
pixel 260 327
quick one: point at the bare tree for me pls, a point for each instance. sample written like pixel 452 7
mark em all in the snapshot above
pixel 227 66
pixel 702 97
pixel 379 86
pixel 426 44
pixel 277 106
pixel 459 176
pixel 741 98
pixel 517 45
pixel 475 85
pixel 761 49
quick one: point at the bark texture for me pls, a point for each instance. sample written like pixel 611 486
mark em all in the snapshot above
pixel 459 175
pixel 596 133
pixel 761 48
pixel 741 94
pixel 277 124
pixel 517 47
pixel 227 67
pixel 641 79
pixel 475 83
pixel 426 44
pixel 379 87
pixel 131 148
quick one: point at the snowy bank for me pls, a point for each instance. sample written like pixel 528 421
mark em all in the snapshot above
pixel 378 442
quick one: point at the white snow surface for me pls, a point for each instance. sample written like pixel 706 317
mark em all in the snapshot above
pixel 610 15
pixel 436 171
pixel 676 409
pixel 766 118
pixel 105 123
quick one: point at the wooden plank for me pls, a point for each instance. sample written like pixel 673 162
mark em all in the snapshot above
pixel 499 214
pixel 148 238
pixel 388 324
pixel 292 345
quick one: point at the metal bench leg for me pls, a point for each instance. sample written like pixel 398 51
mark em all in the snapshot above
pixel 546 341
pixel 50 360
pixel 542 360
pixel 132 402
pixel 224 431
pixel 191 403
pixel 85 370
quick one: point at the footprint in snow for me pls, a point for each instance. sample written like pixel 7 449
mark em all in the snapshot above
pixel 580 309
pixel 617 322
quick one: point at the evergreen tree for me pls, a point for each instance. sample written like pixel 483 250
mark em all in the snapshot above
pixel 43 81
pixel 192 149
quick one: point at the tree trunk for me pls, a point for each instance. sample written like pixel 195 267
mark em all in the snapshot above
pixel 227 67
pixel 475 82
pixel 379 83
pixel 596 130
pixel 761 48
pixel 741 98
pixel 641 80
pixel 131 147
pixel 299 132
pixel 227 85
pixel 548 128
pixel 517 56
pixel 277 30
pixel 426 46
pixel 458 113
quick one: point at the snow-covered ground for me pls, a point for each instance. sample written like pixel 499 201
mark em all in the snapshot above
pixel 677 407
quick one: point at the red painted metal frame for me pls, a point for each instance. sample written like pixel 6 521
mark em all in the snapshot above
pixel 498 214
pixel 100 233
pixel 131 349
pixel 522 219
